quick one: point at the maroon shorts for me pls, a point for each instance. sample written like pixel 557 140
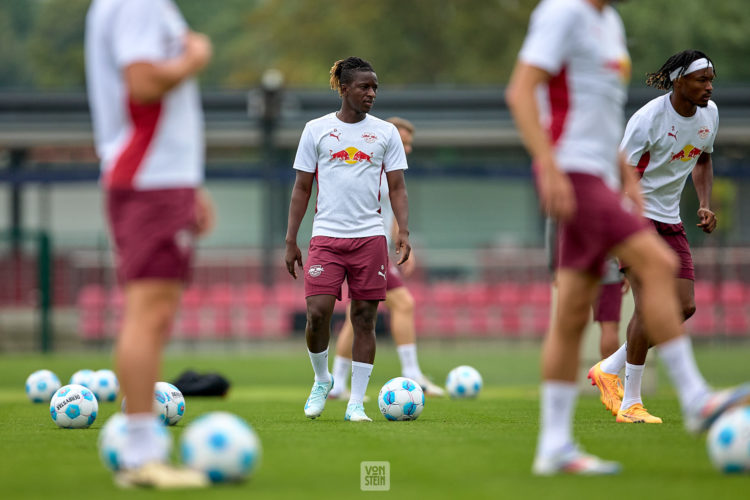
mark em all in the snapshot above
pixel 393 277
pixel 608 303
pixel 362 261
pixel 602 220
pixel 153 232
pixel 674 235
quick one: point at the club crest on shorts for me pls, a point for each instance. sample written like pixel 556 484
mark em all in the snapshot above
pixel 315 270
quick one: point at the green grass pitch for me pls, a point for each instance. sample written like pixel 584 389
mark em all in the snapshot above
pixel 457 449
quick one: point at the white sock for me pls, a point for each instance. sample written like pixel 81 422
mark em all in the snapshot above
pixel 320 365
pixel 142 445
pixel 616 361
pixel 633 377
pixel 407 353
pixel 342 368
pixel 558 400
pixel 687 380
pixel 360 378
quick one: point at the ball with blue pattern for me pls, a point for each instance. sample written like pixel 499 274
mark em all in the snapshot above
pixel 73 407
pixel 463 382
pixel 401 399
pixel 105 385
pixel 169 403
pixel 113 436
pixel 84 377
pixel 222 445
pixel 728 441
pixel 41 385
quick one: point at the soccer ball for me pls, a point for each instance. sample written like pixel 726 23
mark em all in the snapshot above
pixel 728 441
pixel 169 404
pixel 463 382
pixel 105 385
pixel 83 377
pixel 112 439
pixel 41 385
pixel 401 398
pixel 73 407
pixel 222 445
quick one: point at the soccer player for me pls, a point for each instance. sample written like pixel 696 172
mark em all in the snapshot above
pixel 141 58
pixel 346 152
pixel 665 141
pixel 398 300
pixel 575 54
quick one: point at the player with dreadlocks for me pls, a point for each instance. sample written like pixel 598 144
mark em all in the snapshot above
pixel 666 140
pixel 571 77
pixel 345 152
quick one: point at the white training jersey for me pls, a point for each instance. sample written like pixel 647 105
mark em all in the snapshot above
pixel 664 146
pixel 582 104
pixel 348 160
pixel 141 146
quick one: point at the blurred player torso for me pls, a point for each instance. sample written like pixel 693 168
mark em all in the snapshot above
pixel 584 50
pixel 665 147
pixel 348 159
pixel 141 146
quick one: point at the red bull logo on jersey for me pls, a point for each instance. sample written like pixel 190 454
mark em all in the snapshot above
pixel 351 155
pixel 686 154
pixel 703 132
pixel 622 66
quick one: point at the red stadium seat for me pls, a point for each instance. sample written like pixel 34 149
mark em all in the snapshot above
pixel 732 293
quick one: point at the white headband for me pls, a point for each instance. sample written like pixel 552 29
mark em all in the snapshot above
pixel 696 65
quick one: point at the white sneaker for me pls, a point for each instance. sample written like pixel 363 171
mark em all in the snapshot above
pixel 317 399
pixel 161 476
pixel 572 460
pixel 339 394
pixel 355 412
pixel 701 417
pixel 429 388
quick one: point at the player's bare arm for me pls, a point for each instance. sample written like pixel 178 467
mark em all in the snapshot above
pixel 400 205
pixel 149 82
pixel 555 190
pixel 631 188
pixel 703 179
pixel 297 208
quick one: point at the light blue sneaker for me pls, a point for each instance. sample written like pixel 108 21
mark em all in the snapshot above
pixel 355 412
pixel 317 400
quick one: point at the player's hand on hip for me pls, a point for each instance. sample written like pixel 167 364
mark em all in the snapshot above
pixel 556 193
pixel 205 215
pixel 707 220
pixel 293 256
pixel 403 247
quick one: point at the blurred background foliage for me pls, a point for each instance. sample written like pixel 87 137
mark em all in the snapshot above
pixel 430 42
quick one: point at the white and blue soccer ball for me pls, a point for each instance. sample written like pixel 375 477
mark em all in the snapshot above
pixel 41 385
pixel 463 382
pixel 728 441
pixel 105 385
pixel 222 445
pixel 73 407
pixel 113 436
pixel 83 377
pixel 169 404
pixel 401 398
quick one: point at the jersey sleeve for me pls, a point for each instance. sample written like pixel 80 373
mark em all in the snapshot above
pixel 137 33
pixel 637 139
pixel 395 157
pixel 710 146
pixel 550 36
pixel 307 152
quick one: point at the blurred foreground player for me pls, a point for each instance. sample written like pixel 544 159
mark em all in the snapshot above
pixel 398 300
pixel 346 152
pixel 665 141
pixel 148 126
pixel 575 52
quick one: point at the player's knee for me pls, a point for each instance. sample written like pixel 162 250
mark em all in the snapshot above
pixel 363 320
pixel 317 317
pixel 404 305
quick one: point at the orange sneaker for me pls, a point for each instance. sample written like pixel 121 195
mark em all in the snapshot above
pixel 637 414
pixel 610 387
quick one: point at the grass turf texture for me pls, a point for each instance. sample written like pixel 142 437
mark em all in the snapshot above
pixel 476 449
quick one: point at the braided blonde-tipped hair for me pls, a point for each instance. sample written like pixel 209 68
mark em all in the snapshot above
pixel 342 71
